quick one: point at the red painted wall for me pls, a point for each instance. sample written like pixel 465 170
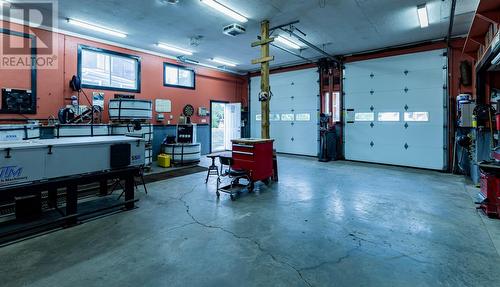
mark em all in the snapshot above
pixel 53 89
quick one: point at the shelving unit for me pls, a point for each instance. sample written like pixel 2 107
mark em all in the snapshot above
pixel 483 31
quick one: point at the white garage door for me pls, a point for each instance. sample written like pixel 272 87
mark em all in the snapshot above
pixel 294 111
pixel 396 110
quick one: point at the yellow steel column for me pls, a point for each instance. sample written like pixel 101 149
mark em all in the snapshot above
pixel 264 71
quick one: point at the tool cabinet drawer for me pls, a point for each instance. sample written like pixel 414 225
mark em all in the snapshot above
pixel 243 155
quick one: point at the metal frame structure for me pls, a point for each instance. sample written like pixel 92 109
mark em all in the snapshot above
pixel 291 29
pixel 71 215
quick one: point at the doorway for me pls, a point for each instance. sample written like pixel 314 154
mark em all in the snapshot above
pixel 225 125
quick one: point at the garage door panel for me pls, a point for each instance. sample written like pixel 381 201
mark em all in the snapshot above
pixel 401 84
pixel 424 78
pixel 432 98
pixel 295 94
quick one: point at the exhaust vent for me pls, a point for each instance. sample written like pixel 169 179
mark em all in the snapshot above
pixel 234 30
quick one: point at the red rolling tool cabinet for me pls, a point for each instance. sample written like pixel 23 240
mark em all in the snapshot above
pixel 490 189
pixel 255 156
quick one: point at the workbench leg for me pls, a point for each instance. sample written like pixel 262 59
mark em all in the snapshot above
pixel 129 192
pixel 52 197
pixel 71 202
pixel 103 187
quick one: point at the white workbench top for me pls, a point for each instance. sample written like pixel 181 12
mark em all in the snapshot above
pixel 37 143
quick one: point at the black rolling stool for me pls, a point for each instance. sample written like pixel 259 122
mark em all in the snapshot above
pixel 212 169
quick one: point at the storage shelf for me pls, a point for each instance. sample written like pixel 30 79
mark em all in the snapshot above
pixel 487 13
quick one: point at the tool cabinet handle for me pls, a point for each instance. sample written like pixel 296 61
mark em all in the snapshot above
pixel 243 145
pixel 243 153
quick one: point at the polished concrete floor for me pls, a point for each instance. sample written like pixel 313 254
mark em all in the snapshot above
pixel 323 224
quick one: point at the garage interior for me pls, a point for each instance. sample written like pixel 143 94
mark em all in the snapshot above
pixel 249 143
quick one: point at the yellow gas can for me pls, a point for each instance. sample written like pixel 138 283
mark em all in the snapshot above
pixel 164 160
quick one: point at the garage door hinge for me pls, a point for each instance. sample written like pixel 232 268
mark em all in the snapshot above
pixel 445 87
pixel 445 67
pixel 445 54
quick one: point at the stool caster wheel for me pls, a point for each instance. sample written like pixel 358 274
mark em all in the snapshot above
pixel 232 197
pixel 267 181
pixel 218 194
pixel 250 187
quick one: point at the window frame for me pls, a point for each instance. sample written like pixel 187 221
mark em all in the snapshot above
pixel 179 67
pixel 110 53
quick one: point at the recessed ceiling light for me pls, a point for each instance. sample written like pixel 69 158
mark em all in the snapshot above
pixel 97 28
pixel 174 49
pixel 423 17
pixel 224 62
pixel 226 10
pixel 287 42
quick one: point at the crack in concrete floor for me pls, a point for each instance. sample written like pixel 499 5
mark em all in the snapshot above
pixel 254 241
pixel 299 271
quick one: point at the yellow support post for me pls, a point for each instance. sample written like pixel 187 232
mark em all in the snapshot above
pixel 264 72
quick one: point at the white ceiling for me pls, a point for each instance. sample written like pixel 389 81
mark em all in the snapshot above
pixel 340 26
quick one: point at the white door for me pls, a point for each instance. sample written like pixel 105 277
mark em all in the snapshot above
pixel 396 110
pixel 293 111
pixel 232 124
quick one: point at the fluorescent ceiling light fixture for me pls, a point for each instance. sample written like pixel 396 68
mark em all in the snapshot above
pixel 226 10
pixel 97 28
pixel 2 2
pixel 224 62
pixel 174 49
pixel 287 42
pixel 423 17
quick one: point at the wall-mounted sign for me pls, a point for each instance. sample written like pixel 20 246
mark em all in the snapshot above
pixel 163 106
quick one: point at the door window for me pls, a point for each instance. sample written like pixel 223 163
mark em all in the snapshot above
pixel 416 116
pixel 388 117
pixel 364 117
